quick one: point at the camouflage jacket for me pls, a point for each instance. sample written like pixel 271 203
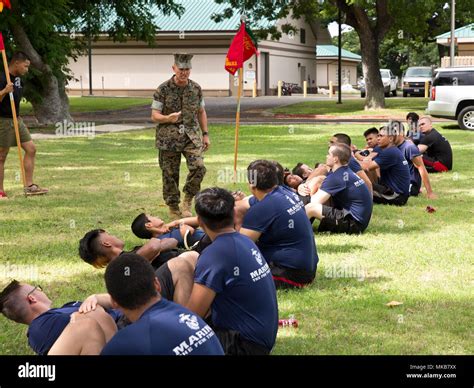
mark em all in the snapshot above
pixel 169 98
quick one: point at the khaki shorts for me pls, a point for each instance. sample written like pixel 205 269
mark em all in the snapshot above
pixel 7 132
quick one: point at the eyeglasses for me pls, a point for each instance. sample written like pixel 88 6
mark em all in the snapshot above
pixel 33 290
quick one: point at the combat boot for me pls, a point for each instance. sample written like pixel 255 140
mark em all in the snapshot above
pixel 186 206
pixel 174 213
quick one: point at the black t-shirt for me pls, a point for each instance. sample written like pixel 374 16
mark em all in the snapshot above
pixel 438 148
pixel 5 106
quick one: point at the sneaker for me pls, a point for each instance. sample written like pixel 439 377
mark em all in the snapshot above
pixel 3 195
pixel 34 189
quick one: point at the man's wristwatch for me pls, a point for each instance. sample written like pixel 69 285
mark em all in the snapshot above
pixel 205 133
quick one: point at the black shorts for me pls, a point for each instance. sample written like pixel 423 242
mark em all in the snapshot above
pixel 204 242
pixel 284 277
pixel 235 345
pixel 163 257
pixel 414 190
pixel 339 221
pixel 166 281
pixel 385 195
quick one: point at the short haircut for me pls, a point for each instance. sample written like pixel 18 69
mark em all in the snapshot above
pixel 215 208
pixel 342 151
pixel 262 174
pixel 19 56
pixel 427 118
pixel 90 248
pixel 11 304
pixel 130 281
pixel 280 172
pixel 413 116
pixel 371 131
pixel 343 138
pixel 297 170
pixel 138 227
pixel 396 128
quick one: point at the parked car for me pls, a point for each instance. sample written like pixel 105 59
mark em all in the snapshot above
pixel 414 80
pixel 452 95
pixel 389 81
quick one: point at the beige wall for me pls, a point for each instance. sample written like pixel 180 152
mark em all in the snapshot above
pixel 327 71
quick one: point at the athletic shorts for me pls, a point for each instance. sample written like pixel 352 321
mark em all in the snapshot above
pixel 284 277
pixel 235 345
pixel 414 190
pixel 433 165
pixel 339 221
pixel 202 244
pixel 386 196
pixel 7 132
pixel 165 278
pixel 163 257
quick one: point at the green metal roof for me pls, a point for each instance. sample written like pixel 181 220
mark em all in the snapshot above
pixel 328 50
pixel 461 32
pixel 196 17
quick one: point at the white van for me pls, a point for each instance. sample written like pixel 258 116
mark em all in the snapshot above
pixel 452 95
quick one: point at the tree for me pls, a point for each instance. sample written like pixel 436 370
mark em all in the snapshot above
pixel 371 19
pixel 51 32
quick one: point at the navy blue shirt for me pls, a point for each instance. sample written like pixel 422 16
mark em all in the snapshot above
pixel 287 237
pixel 176 234
pixel 411 151
pixel 350 193
pixel 354 165
pixel 394 171
pixel 245 301
pixel 45 329
pixel 165 328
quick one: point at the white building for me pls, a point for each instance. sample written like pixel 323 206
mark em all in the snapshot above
pixel 136 69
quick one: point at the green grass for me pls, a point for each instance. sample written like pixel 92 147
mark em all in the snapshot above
pixel 94 104
pixel 408 255
pixel 394 107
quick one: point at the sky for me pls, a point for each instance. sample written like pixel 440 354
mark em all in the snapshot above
pixel 333 28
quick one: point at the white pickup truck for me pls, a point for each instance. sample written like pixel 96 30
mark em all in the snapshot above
pixel 389 81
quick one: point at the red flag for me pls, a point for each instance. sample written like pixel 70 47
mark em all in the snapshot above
pixel 2 45
pixel 5 3
pixel 243 46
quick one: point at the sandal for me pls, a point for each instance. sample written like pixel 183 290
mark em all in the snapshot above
pixel 34 189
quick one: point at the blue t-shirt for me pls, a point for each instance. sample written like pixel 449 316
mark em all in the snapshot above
pixel 176 234
pixel 287 237
pixel 394 171
pixel 411 151
pixel 350 193
pixel 245 299
pixel 354 165
pixel 45 329
pixel 165 328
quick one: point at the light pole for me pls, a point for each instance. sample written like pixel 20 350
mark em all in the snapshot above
pixel 339 58
pixel 453 26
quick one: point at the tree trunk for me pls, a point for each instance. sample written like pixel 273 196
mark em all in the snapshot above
pixel 374 98
pixel 54 106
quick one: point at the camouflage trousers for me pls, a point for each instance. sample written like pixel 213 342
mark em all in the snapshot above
pixel 170 162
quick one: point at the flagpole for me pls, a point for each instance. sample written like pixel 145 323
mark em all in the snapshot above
pixel 15 119
pixel 237 125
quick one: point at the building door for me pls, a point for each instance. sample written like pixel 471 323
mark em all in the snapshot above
pixel 265 79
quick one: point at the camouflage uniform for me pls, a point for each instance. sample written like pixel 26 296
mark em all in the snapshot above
pixel 183 137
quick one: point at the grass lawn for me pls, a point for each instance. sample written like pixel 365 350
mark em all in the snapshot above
pixel 397 107
pixel 93 104
pixel 407 255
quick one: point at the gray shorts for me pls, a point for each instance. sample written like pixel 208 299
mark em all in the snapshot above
pixel 7 132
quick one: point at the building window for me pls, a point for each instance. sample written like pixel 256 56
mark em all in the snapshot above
pixel 302 36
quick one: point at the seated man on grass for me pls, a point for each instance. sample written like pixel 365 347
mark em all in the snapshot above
pixel 393 187
pixel 175 274
pixel 352 201
pixel 418 173
pixel 147 227
pixel 57 331
pixel 233 281
pixel 158 326
pixel 436 150
pixel 277 221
